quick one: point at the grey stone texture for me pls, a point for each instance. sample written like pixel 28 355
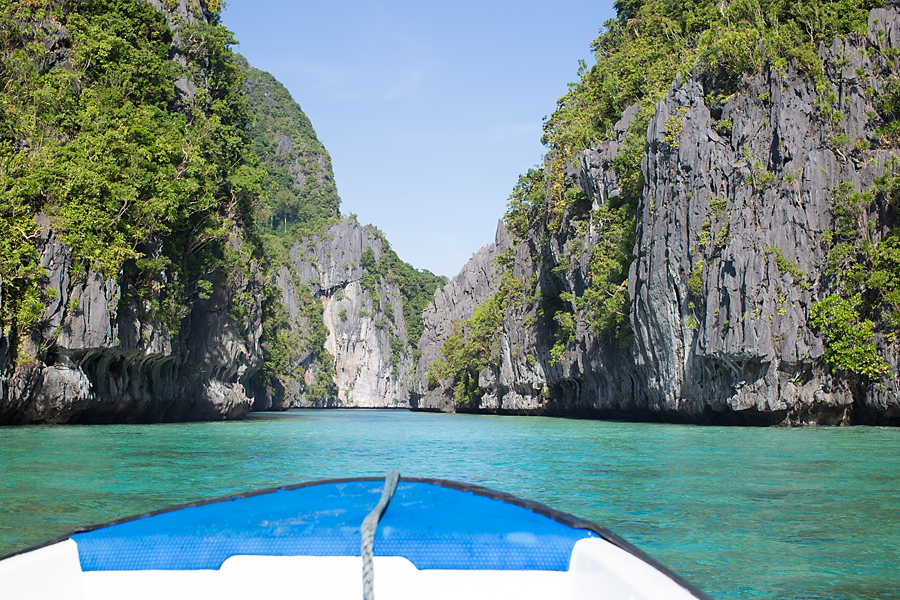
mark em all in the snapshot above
pixel 360 324
pixel 98 358
pixel 741 351
pixel 452 304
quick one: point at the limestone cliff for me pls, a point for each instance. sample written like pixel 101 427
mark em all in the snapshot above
pixel 172 285
pixel 453 304
pixel 342 284
pixel 108 328
pixel 104 357
pixel 732 251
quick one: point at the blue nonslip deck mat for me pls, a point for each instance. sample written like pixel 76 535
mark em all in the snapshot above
pixel 434 527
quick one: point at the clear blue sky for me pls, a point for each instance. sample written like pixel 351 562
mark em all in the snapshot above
pixel 430 110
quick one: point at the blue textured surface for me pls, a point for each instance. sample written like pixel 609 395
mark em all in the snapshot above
pixel 432 526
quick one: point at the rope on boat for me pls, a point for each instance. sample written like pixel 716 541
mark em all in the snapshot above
pixel 369 525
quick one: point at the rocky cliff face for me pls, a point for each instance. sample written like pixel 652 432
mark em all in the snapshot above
pixel 731 253
pixel 298 165
pixel 744 345
pixel 453 304
pixel 327 286
pixel 105 359
pixel 209 311
pixel 120 347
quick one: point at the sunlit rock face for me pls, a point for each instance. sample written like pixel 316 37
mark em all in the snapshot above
pixel 105 359
pixel 367 376
pixel 741 350
pixel 362 324
pixel 102 353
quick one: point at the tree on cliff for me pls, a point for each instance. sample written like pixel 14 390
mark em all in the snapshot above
pixel 138 169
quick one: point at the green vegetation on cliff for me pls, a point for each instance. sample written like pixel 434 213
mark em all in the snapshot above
pixel 637 56
pixel 863 278
pixel 474 345
pixel 285 349
pixel 864 297
pixel 131 174
pixel 301 196
pixel 416 287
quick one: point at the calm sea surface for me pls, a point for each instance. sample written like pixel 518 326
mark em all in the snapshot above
pixel 742 513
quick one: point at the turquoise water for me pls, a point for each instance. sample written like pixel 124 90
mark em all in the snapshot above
pixel 742 513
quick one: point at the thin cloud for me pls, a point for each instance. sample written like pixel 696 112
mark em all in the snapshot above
pixel 413 80
pixel 333 81
pixel 505 132
pixel 385 81
pixel 404 64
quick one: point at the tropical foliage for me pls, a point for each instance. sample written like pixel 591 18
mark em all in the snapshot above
pixel 301 196
pixel 864 296
pixel 474 345
pixel 131 174
pixel 638 55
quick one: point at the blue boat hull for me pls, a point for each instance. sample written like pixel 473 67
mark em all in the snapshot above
pixel 437 539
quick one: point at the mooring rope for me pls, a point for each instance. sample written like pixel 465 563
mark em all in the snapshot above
pixel 369 525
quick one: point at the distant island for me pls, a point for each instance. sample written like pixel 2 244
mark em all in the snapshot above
pixel 712 238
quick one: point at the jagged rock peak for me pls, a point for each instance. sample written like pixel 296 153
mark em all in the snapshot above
pixel 333 285
pixel 731 253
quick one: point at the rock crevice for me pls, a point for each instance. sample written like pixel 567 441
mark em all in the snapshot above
pixel 728 259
